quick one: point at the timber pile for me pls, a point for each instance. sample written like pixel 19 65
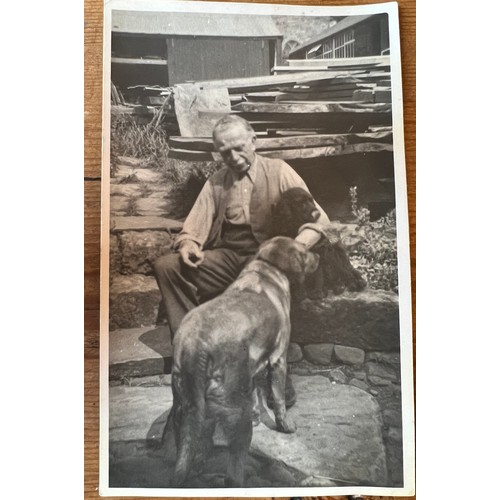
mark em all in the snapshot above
pixel 308 111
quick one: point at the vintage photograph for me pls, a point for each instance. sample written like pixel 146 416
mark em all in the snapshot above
pixel 255 276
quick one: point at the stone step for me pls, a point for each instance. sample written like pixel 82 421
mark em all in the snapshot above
pixel 339 436
pixel 143 223
pixel 139 352
pixel 134 252
pixel 135 174
pixel 133 301
pixel 137 190
pixel 123 206
pixel 367 320
pixel 147 352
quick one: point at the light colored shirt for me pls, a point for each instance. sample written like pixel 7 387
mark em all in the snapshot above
pixel 249 200
pixel 240 194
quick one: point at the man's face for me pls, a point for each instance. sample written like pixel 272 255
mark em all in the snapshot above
pixel 236 145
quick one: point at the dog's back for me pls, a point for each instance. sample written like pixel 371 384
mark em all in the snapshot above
pixel 219 348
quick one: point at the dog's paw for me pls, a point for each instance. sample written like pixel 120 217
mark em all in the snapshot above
pixel 357 282
pixel 338 288
pixel 287 425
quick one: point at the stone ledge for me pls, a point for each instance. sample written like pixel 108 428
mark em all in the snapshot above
pixel 339 435
pixel 143 223
pixel 368 320
pixel 139 352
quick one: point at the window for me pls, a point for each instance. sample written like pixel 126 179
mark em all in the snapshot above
pixel 328 49
pixel 344 45
pixel 315 52
pixel 336 47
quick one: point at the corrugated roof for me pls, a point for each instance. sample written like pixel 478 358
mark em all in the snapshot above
pixel 343 24
pixel 189 23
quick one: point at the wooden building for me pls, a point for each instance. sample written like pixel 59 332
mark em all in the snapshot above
pixel 353 36
pixel 166 48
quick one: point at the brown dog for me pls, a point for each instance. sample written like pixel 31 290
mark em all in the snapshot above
pixel 219 349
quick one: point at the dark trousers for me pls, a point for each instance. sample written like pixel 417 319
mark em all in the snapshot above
pixel 183 288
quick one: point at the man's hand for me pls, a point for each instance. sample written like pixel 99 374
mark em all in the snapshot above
pixel 191 253
pixel 308 237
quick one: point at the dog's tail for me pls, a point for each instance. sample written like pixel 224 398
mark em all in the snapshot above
pixel 190 387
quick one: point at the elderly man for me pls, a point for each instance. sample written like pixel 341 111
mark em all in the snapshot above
pixel 229 220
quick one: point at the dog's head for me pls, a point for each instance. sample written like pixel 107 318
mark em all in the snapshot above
pixel 295 207
pixel 289 256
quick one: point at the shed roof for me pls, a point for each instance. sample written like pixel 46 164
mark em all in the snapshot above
pixel 343 24
pixel 189 23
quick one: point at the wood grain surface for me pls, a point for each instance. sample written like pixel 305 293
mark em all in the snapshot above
pixel 93 12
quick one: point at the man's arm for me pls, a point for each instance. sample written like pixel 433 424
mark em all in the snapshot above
pixel 196 228
pixel 309 237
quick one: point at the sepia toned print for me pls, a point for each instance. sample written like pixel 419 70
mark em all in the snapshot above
pixel 256 312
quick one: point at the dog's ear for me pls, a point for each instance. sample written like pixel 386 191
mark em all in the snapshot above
pixel 288 256
pixel 303 262
pixel 297 261
pixel 273 251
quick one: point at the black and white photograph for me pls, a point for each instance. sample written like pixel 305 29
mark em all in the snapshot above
pixel 256 319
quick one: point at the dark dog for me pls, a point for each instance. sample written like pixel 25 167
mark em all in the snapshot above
pixel 295 208
pixel 220 348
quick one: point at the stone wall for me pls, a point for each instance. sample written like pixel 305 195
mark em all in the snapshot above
pixel 297 30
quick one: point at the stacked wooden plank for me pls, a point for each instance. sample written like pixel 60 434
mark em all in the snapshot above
pixel 289 147
pixel 314 108
pixel 330 110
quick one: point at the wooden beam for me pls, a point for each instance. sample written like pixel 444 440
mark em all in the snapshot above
pixel 302 153
pixel 345 62
pixel 333 87
pixel 292 69
pixel 312 107
pixel 366 147
pixel 342 95
pixel 235 85
pixel 289 142
pixel 191 143
pixel 189 155
pixel 324 123
pixel 295 69
pixel 132 60
pixel 288 154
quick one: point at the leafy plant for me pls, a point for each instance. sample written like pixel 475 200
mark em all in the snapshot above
pixel 145 142
pixel 376 253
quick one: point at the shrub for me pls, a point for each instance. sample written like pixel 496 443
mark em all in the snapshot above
pixel 376 254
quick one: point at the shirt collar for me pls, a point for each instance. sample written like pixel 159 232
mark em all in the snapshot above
pixel 251 173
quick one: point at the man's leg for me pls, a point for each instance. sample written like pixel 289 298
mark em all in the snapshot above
pixel 183 288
